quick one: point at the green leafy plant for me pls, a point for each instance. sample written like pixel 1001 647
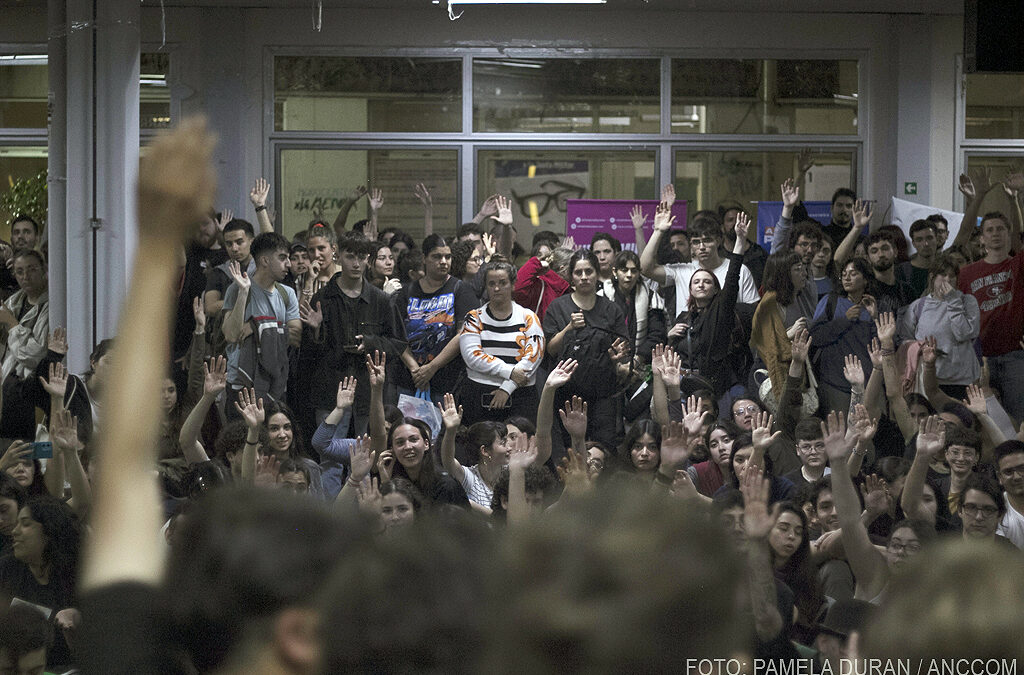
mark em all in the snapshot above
pixel 27 196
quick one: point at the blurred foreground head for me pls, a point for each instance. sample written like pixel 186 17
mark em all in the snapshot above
pixel 619 583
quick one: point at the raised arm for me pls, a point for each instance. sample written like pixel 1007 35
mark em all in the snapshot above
pixel 251 410
pixel 487 209
pixel 376 366
pixel 636 214
pixel 758 522
pixel 663 220
pixel 929 355
pixel 423 195
pixel 558 376
pixel 507 234
pixel 234 320
pixel 574 419
pixel 175 192
pixel 358 192
pixel 376 204
pixel 451 415
pixel 214 382
pixel 64 435
pixel 258 197
pixel 790 198
pixel 931 440
pixel 522 456
pixel 861 217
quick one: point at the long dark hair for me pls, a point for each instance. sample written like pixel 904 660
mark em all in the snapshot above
pixel 777 276
pixel 60 527
pixel 798 573
pixel 429 473
pixel 649 427
pixel 297 448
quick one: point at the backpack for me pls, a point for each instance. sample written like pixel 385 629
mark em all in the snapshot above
pixel 263 355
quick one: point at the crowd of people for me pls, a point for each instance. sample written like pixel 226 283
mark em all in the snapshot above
pixel 357 451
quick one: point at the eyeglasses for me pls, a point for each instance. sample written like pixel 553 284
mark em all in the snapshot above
pixel 960 454
pixel 1011 471
pixel 25 271
pixel 595 463
pixel 750 409
pixel 811 446
pixel 897 546
pixel 477 259
pixel 972 511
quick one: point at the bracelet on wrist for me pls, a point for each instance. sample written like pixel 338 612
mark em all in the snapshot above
pixel 261 207
pixel 249 441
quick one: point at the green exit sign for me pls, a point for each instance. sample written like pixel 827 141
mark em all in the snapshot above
pixel 910 188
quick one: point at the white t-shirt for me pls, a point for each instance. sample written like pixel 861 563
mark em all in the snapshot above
pixel 680 273
pixel 1012 525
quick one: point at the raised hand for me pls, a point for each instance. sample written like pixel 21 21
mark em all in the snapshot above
pixel 790 193
pixel 64 430
pixel 489 247
pixel 259 192
pixel 225 217
pixel 17 452
pixel 853 371
pixel 863 426
pixel 742 225
pixel 239 276
pixel 801 346
pixel 861 213
pixel 658 357
pixel 805 160
pixel 875 352
pixel 251 408
pixel 573 473
pixel 976 400
pixel 376 199
pixel 368 496
pixel 837 443
pixel 636 214
pixel 668 194
pixel 931 437
pixel 761 431
pixel 199 314
pixel 1013 183
pixel 376 366
pixel 693 416
pixel 561 373
pixel 385 465
pixel 982 177
pixel 877 499
pixel 359 191
pixel 671 368
pixel 267 468
pixel 503 207
pixel 574 417
pixel 619 351
pixel 451 414
pixel 215 376
pixel 663 218
pixel 346 395
pixel 57 383
pixel 423 195
pixel 489 207
pixel 682 486
pixel 360 459
pixel 966 187
pixel 869 303
pixel 758 521
pixel 675 447
pixel 58 341
pixel 311 317
pixel 885 323
pixel 523 454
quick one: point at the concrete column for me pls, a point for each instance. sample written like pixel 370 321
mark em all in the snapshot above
pixel 57 167
pixel 102 165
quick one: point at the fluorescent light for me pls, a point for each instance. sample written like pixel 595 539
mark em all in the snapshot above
pixel 527 2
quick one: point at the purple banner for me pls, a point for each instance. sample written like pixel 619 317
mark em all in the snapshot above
pixel 586 217
pixel 768 216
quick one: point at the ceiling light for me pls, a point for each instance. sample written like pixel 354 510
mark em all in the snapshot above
pixel 452 3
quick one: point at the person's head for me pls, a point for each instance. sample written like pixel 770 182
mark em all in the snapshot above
pixel 786 274
pixel 47 533
pixel 400 504
pixel 743 411
pixel 958 255
pixel 410 441
pixel 704 286
pixel 855 277
pixel 466 259
pixel 719 439
pixel 538 481
pixel 957 415
pixel 353 252
pixel 995 233
pixel 705 238
pixel 24 232
pixel 168 395
pixel 945 269
pixel 293 475
pixel 963 449
pixel 961 601
pixel 604 247
pixel 739 456
pixel 881 251
pixel 598 458
pixel 558 262
pixel 516 427
pixel 679 241
pixel 241 586
pixel 410 266
pixel 843 618
pixel 471 234
pixel 627 270
pixel 270 251
pixel 299 256
pixel 982 506
pixel 729 213
pixel 380 263
pixel 728 506
pixel 822 260
pixel 322 244
pixel 401 242
pixel 230 443
pixel 788 538
pixel 842 206
pixel 583 268
pixel 923 237
pixel 29 270
pixel 28 473
pixel 1009 460
pixel 941 229
pixel 919 407
pixel 641 449
pixel 490 440
pixel 823 504
pixel 810 444
pixel 906 540
pixel 25 634
pixel 283 435
pixel 12 498
pixel 806 239
pixel 499 280
pixel 238 235
pixel 976 246
pixel 437 258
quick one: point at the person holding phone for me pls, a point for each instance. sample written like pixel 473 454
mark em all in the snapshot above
pixel 502 344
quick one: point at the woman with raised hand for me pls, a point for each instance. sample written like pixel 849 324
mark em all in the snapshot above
pixel 557 378
pixel 489 439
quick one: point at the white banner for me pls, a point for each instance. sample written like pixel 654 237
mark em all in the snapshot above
pixel 904 214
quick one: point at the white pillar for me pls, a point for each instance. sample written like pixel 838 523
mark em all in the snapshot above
pixel 102 164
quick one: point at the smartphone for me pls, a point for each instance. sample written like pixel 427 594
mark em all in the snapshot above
pixel 42 450
pixel 487 399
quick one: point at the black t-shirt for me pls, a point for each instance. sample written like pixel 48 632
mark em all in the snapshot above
pixel 431 321
pixel 605 322
pixel 198 259
pixel 893 297
pixel 18 583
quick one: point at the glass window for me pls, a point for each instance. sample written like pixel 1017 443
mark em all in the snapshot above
pixel 987 170
pixel 566 95
pixel 399 94
pixel 764 96
pixel 995 105
pixel 315 183
pixel 22 184
pixel 540 182
pixel 154 92
pixel 23 91
pixel 710 179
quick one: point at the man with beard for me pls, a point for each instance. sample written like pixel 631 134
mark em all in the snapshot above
pixel 843 201
pixel 1009 459
pixel 892 294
